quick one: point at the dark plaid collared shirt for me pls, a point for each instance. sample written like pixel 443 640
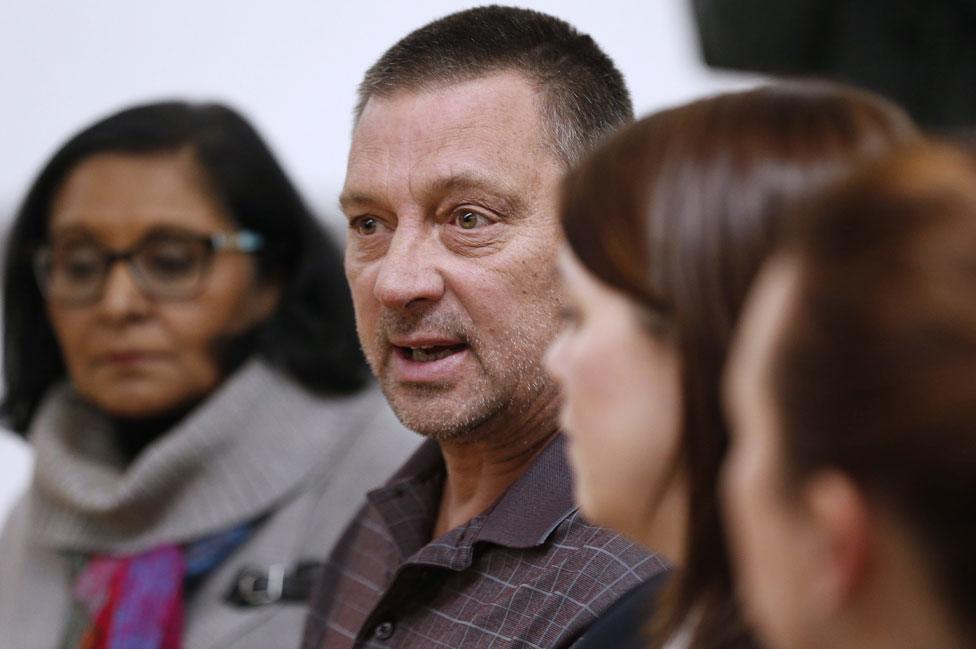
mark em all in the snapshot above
pixel 530 572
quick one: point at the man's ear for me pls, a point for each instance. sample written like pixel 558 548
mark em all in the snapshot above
pixel 842 540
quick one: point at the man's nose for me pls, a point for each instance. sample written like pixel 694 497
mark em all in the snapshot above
pixel 121 296
pixel 409 276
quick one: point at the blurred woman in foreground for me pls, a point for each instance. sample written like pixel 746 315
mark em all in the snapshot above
pixel 851 484
pixel 179 349
pixel 666 225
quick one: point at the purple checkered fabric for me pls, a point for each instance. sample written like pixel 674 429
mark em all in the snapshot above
pixel 530 572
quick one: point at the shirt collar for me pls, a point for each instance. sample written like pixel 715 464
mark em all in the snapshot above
pixel 525 515
pixel 531 509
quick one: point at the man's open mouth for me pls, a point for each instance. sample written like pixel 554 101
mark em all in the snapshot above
pixel 429 354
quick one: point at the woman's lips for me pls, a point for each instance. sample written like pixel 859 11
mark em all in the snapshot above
pixel 128 358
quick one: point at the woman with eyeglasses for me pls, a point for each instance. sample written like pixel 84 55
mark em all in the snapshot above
pixel 179 349
pixel 850 487
pixel 666 224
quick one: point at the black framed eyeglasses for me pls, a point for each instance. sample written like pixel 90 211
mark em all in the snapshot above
pixel 164 265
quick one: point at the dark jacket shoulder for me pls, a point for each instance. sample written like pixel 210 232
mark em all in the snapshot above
pixel 623 625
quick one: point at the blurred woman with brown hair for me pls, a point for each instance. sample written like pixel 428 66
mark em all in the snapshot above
pixel 666 225
pixel 851 483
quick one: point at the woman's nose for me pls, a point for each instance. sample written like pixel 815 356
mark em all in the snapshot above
pixel 121 296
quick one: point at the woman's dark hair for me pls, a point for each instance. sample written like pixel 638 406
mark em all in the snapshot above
pixel 311 336
pixel 872 370
pixel 678 211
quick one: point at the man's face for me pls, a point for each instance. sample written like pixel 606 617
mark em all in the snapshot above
pixel 451 200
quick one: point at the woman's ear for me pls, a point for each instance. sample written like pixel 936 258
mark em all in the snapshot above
pixel 842 540
pixel 263 300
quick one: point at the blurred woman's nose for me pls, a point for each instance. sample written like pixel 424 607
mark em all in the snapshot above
pixel 121 296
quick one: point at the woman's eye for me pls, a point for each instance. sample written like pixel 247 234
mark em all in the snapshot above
pixel 80 268
pixel 365 225
pixel 569 315
pixel 469 219
pixel 78 264
pixel 170 262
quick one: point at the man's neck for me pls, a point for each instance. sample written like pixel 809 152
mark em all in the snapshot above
pixel 478 473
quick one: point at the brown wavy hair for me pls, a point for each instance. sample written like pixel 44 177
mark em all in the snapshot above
pixel 678 210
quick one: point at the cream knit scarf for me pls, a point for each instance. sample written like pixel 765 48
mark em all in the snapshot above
pixel 233 458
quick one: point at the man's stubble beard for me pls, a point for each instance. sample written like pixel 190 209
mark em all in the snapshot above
pixel 511 382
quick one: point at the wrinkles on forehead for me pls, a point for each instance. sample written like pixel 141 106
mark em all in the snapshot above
pixel 482 138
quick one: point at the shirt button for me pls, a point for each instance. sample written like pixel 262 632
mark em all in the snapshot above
pixel 384 630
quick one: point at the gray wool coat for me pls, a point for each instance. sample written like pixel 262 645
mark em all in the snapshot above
pixel 260 448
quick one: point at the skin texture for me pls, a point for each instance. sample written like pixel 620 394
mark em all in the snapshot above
pixel 450 195
pixel 621 411
pixel 129 355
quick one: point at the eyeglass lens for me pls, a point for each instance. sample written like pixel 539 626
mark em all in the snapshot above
pixel 163 267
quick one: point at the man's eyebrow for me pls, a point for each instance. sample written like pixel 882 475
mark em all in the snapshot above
pixel 348 200
pixel 509 202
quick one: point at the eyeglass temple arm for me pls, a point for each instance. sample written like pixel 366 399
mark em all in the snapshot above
pixel 243 240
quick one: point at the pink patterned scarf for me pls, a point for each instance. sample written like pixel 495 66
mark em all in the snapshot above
pixel 136 601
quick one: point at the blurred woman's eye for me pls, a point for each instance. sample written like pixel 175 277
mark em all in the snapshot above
pixel 569 315
pixel 79 264
pixel 171 260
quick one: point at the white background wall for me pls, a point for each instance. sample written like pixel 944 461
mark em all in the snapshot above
pixel 291 65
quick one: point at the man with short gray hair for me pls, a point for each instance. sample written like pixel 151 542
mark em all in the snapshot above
pixel 463 131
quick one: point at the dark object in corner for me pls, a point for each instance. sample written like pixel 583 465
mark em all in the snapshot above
pixel 920 54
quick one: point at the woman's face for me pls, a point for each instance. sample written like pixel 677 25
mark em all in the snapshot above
pixel 770 537
pixel 126 352
pixel 621 406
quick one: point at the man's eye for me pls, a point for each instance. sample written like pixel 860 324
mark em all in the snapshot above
pixel 365 225
pixel 469 220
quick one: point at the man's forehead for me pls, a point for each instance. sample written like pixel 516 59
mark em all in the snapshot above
pixel 483 133
pixel 488 107
pixel 487 84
